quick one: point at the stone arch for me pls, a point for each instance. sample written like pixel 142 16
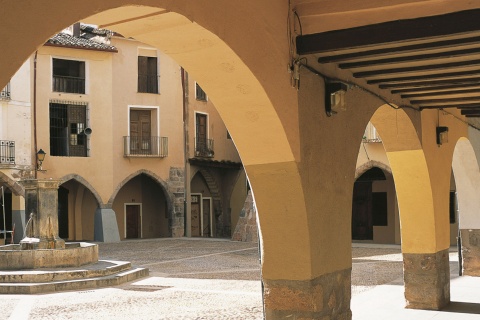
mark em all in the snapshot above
pixel 467 180
pixel 369 165
pixel 13 185
pixel 151 175
pixel 86 184
pixel 424 229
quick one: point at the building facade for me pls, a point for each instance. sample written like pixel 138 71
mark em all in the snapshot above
pixel 109 114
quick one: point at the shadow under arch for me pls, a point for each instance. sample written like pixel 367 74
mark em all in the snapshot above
pixel 151 175
pixel 85 183
pixel 13 185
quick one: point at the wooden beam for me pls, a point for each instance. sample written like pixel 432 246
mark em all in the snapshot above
pixel 415 48
pixel 427 67
pixel 414 58
pixel 427 83
pixel 390 32
pixel 439 93
pixel 438 88
pixel 450 75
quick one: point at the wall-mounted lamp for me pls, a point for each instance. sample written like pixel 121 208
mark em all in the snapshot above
pixel 334 97
pixel 442 135
pixel 40 157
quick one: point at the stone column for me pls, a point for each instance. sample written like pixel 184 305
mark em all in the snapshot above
pixel 470 251
pixel 427 280
pixel 41 200
pixel 325 297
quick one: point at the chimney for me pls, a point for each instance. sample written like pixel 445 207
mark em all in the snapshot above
pixel 76 30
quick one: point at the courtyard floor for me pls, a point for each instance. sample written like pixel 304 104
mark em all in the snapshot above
pixel 220 279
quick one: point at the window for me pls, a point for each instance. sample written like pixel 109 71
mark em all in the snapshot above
pixel 140 132
pixel 203 145
pixel 67 130
pixel 147 74
pixel 68 76
pixel 199 93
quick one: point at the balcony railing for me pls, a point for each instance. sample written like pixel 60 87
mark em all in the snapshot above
pixel 7 152
pixel 145 147
pixel 371 134
pixel 204 148
pixel 5 93
pixel 68 84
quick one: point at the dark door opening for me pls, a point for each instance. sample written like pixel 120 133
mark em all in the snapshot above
pixel 133 222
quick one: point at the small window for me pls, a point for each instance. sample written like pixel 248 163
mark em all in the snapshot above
pixel 199 93
pixel 147 74
pixel 68 76
pixel 67 130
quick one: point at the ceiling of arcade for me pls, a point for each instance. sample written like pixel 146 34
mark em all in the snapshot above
pixel 419 53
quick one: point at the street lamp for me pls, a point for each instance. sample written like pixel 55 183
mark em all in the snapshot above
pixel 40 157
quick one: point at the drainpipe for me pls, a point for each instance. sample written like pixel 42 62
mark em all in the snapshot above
pixel 35 113
pixel 186 149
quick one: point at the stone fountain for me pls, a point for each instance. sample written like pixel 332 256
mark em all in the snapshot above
pixel 43 262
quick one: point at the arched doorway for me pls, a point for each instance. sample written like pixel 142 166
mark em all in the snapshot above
pixel 142 209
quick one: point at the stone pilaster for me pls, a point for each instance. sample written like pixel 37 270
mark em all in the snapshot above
pixel 326 297
pixel 105 226
pixel 176 187
pixel 470 251
pixel 427 280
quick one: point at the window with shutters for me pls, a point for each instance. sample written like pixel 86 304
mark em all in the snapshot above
pixel 68 76
pixel 67 130
pixel 203 145
pixel 147 74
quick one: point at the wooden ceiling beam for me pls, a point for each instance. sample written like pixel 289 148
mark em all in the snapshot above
pixel 390 32
pixel 415 48
pixel 413 58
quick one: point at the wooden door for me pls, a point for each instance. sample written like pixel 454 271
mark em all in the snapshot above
pixel 132 221
pixel 140 131
pixel 362 221
pixel 195 210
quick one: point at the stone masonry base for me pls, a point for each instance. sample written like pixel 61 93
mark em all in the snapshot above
pixel 470 252
pixel 427 280
pixel 326 298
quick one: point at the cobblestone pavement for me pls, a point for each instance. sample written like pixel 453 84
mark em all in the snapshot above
pixel 189 279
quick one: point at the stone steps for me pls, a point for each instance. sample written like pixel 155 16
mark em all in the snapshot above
pixel 102 274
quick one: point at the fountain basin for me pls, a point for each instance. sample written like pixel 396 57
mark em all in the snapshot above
pixel 75 254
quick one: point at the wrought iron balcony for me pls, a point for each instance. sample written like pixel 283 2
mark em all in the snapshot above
pixel 204 148
pixel 145 146
pixel 68 84
pixel 7 152
pixel 5 93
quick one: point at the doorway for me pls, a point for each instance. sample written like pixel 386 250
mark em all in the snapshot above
pixel 133 221
pixel 202 216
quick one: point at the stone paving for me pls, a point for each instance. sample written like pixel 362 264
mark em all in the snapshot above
pixel 190 279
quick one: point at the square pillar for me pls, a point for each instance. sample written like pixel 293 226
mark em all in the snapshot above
pixel 41 200
pixel 427 280
pixel 470 252
pixel 325 297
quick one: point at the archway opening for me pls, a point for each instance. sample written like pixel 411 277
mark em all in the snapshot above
pixel 76 211
pixel 141 208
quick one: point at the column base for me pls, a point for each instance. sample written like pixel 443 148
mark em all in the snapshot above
pixel 470 252
pixel 106 227
pixel 427 280
pixel 326 297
